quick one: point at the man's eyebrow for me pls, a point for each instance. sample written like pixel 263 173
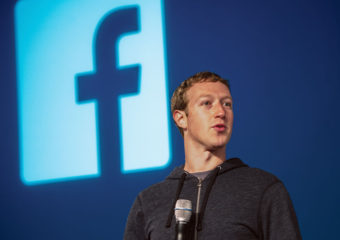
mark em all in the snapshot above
pixel 228 97
pixel 209 95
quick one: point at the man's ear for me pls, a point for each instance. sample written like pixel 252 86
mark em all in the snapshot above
pixel 180 118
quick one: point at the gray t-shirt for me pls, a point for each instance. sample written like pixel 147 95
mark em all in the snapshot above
pixel 201 175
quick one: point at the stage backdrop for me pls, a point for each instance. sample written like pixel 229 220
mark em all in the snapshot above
pixel 85 91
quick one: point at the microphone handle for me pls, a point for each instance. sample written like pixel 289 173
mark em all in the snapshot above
pixel 181 231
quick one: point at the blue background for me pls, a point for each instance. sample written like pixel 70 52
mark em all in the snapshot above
pixel 283 61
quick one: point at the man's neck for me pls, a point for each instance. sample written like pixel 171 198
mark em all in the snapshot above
pixel 200 160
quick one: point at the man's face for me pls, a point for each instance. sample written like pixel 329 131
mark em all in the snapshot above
pixel 209 118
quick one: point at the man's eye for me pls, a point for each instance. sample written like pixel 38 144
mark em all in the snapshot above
pixel 227 104
pixel 206 103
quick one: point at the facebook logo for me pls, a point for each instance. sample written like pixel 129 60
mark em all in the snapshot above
pixel 92 88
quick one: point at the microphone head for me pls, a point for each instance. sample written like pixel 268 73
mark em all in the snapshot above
pixel 183 210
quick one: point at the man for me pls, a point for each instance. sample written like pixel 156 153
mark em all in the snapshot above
pixel 230 200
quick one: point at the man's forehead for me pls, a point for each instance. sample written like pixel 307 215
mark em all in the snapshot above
pixel 202 89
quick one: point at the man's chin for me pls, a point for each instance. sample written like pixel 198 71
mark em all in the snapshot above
pixel 218 145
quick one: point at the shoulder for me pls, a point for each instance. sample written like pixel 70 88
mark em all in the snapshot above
pixel 237 171
pixel 153 188
pixel 255 176
pixel 247 182
pixel 163 188
pixel 158 192
pixel 259 175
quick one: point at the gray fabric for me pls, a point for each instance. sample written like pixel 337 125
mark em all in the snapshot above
pixel 201 175
pixel 244 203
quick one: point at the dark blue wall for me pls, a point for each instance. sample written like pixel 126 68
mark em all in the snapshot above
pixel 283 61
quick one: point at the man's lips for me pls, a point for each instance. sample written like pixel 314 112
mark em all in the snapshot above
pixel 219 127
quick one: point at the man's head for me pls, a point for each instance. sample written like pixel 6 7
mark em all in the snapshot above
pixel 202 108
pixel 179 100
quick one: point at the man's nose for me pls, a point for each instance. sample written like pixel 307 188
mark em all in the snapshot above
pixel 220 111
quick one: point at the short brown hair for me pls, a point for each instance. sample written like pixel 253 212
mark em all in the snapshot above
pixel 179 100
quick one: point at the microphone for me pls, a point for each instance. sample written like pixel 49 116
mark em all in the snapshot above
pixel 183 210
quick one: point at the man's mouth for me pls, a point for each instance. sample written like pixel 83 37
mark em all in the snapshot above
pixel 219 127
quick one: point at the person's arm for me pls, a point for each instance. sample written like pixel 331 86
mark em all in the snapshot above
pixel 277 218
pixel 135 226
